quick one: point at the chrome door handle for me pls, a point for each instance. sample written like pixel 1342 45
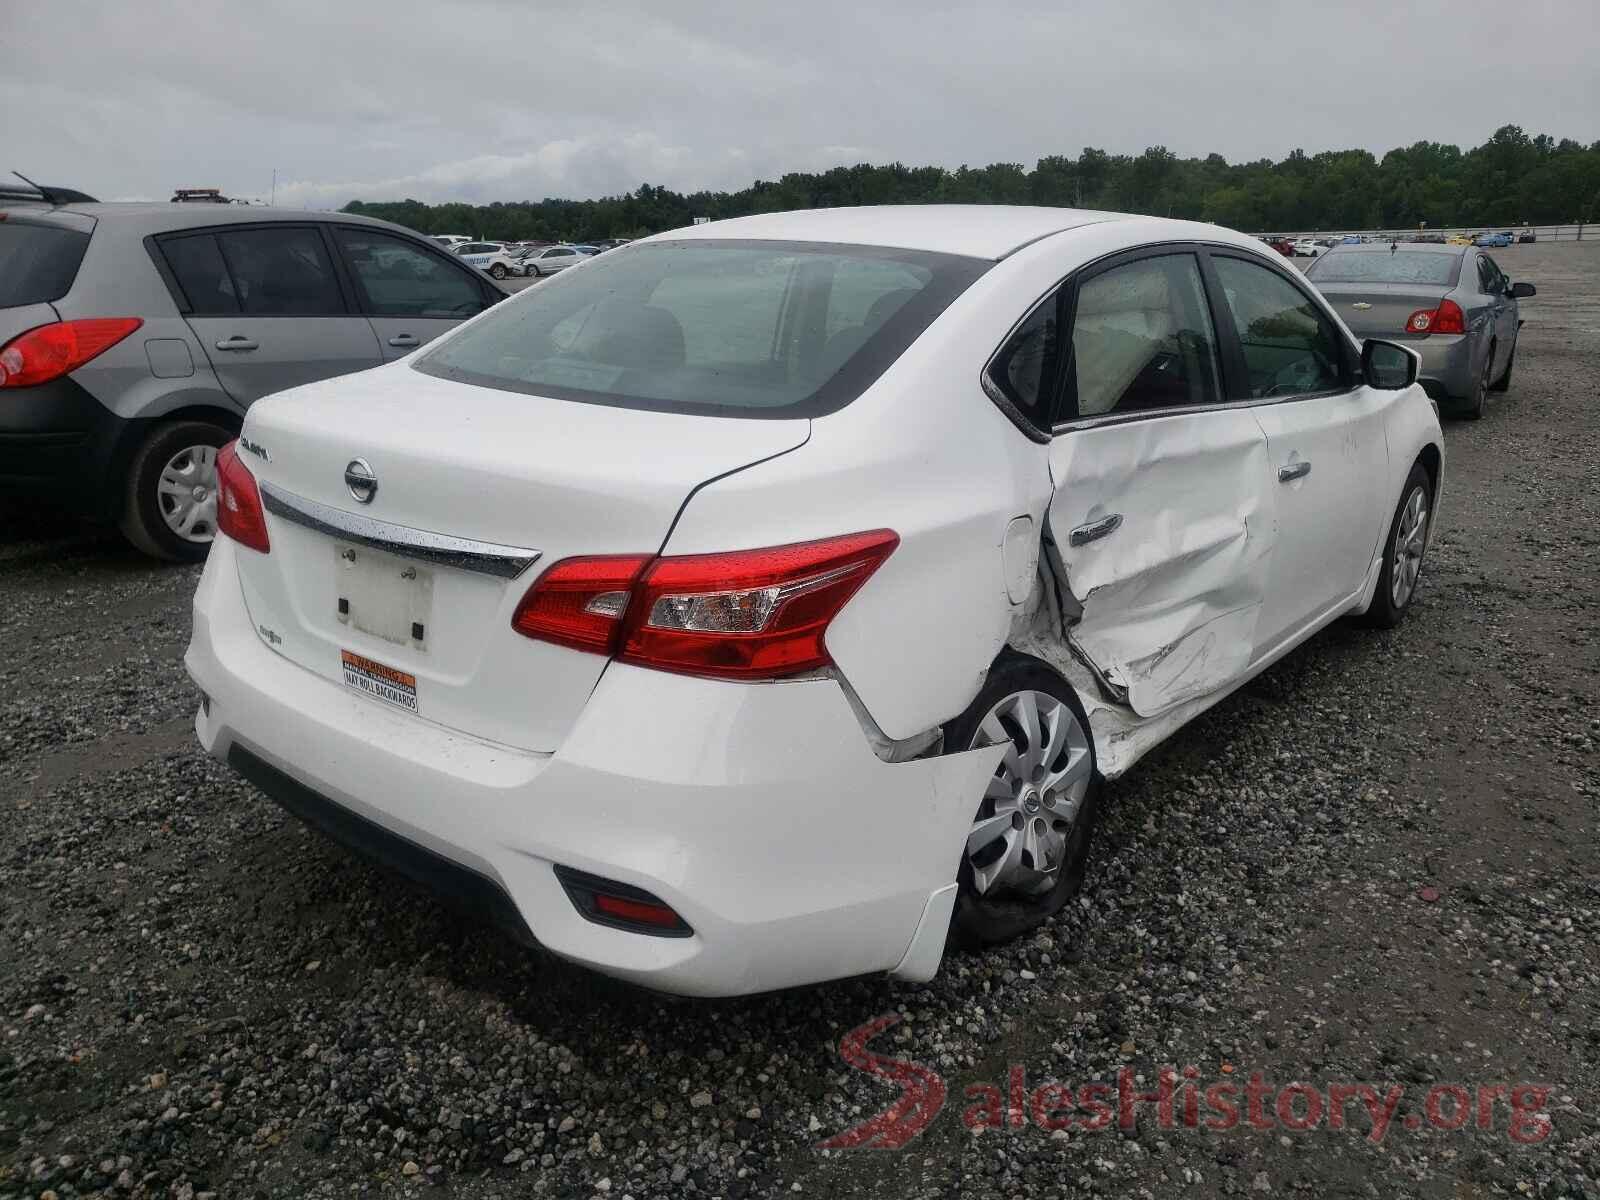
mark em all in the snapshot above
pixel 1295 470
pixel 238 343
pixel 405 339
pixel 1094 530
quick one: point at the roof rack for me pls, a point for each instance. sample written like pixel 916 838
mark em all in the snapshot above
pixel 199 196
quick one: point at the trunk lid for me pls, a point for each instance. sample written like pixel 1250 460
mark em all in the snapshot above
pixel 1388 305
pixel 518 474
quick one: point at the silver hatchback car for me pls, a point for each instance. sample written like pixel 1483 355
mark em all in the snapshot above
pixel 1453 305
pixel 133 337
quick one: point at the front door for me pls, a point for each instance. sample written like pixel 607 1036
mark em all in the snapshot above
pixel 267 307
pixel 1160 512
pixel 1325 441
pixel 410 294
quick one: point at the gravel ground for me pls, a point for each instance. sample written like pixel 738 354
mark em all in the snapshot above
pixel 1375 863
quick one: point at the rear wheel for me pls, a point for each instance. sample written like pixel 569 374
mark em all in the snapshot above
pixel 170 507
pixel 1478 402
pixel 1025 854
pixel 1503 384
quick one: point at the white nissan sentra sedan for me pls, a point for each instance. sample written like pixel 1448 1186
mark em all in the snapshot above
pixel 765 602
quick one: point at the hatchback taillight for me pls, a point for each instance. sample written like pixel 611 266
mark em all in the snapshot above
pixel 1447 318
pixel 239 511
pixel 48 352
pixel 745 614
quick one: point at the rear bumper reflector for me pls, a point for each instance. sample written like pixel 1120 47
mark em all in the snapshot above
pixel 620 905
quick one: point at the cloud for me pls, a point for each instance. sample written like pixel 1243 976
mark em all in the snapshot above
pixel 480 100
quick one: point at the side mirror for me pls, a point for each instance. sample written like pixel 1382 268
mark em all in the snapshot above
pixel 1388 365
pixel 1521 291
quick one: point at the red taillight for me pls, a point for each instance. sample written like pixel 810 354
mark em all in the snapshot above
pixel 50 351
pixel 239 511
pixel 580 602
pixel 747 614
pixel 1447 318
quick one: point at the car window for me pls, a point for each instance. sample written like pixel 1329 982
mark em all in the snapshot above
pixel 202 276
pixel 397 279
pixel 1142 339
pixel 1386 266
pixel 38 262
pixel 281 272
pixel 731 328
pixel 1493 277
pixel 1025 369
pixel 1290 347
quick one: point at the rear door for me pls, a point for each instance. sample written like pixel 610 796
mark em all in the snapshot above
pixel 1503 309
pixel 1161 513
pixel 409 294
pixel 1325 439
pixel 267 305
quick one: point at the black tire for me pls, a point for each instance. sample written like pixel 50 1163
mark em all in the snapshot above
pixel 142 522
pixel 1478 403
pixel 1384 612
pixel 980 920
pixel 498 270
pixel 1503 384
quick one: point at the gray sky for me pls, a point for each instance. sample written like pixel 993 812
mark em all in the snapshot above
pixel 510 100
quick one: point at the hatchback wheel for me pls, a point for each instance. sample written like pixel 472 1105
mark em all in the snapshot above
pixel 498 270
pixel 170 510
pixel 1024 855
pixel 1403 551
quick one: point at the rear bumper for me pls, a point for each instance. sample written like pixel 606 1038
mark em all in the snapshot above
pixel 1447 364
pixel 57 440
pixel 758 812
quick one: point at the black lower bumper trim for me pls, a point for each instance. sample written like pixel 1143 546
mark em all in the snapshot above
pixel 460 886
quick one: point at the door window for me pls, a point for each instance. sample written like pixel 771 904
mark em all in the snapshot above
pixel 397 279
pixel 281 272
pixel 1142 339
pixel 1290 347
pixel 201 274
pixel 1489 275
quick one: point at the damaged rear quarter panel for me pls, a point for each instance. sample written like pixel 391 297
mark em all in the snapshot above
pixel 1170 600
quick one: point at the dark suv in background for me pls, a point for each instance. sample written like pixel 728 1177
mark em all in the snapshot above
pixel 133 337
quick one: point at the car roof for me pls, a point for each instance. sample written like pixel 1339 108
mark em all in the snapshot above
pixel 161 217
pixel 989 231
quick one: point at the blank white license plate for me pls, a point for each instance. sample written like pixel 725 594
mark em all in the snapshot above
pixel 388 597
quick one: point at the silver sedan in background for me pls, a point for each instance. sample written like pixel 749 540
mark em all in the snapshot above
pixel 1451 304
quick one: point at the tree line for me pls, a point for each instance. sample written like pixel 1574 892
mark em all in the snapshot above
pixel 1509 180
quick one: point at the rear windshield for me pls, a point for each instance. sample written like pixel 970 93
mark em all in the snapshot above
pixel 727 328
pixel 1386 266
pixel 37 262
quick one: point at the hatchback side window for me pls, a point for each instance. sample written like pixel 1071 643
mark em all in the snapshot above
pixel 396 279
pixel 202 275
pixel 281 272
pixel 1142 339
pixel 1290 347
